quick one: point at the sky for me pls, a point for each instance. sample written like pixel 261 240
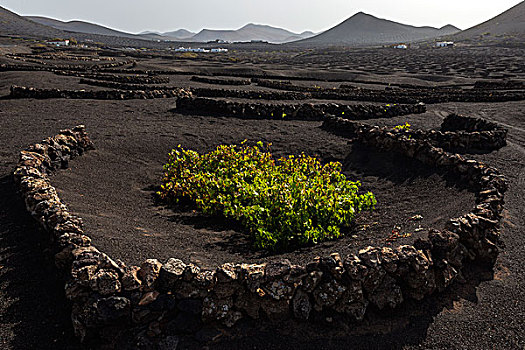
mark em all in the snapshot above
pixel 296 15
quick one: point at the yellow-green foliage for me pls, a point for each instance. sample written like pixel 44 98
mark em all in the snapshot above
pixel 189 55
pixel 294 201
pixel 404 127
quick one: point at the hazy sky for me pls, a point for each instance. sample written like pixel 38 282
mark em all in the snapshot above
pixel 296 15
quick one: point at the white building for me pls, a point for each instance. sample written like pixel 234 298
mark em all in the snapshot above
pixel 401 46
pixel 59 43
pixel 189 49
pixel 444 43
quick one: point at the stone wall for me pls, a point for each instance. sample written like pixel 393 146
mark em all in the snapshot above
pixel 158 301
pixel 455 122
pixel 287 85
pixel 127 79
pixel 466 133
pixel 206 92
pixel 54 67
pixel 220 81
pixel 400 95
pixel 429 96
pixel 306 111
pixel 458 133
pixel 37 58
pixel 499 85
pixel 407 96
pixel 150 71
pixel 29 92
pixel 250 94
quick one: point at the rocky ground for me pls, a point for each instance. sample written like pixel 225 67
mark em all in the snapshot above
pixel 133 138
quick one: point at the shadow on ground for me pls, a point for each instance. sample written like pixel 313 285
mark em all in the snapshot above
pixel 36 312
pixel 387 329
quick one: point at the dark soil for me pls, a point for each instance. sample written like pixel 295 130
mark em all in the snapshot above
pixel 112 188
pixel 126 223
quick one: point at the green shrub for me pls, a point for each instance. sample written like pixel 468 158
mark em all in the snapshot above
pixel 404 127
pixel 294 201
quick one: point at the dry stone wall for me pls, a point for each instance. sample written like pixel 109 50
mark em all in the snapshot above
pixel 127 79
pixel 158 301
pixel 287 85
pixel 250 94
pixel 467 133
pixel 29 92
pixel 206 92
pixel 36 58
pixel 291 111
pixel 220 81
pixel 63 68
pixel 429 96
pixel 457 133
pixel 499 85
pixel 400 95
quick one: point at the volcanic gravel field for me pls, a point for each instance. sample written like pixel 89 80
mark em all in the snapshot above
pixel 113 189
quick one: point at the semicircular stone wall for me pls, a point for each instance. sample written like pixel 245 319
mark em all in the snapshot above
pixel 157 298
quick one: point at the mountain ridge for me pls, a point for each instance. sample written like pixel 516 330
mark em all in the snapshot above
pixel 361 29
pixel 78 26
pixel 248 32
pixel 509 22
pixel 366 29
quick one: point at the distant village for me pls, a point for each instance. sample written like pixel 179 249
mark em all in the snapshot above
pixel 189 49
pixel 437 44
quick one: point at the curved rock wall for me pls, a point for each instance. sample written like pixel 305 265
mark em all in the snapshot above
pixel 54 67
pixel 127 79
pixel 292 111
pixel 220 81
pixel 29 92
pixel 250 94
pixel 499 85
pixel 462 133
pixel 158 299
pixel 287 85
pixel 206 92
pixel 458 133
pixel 400 95
pixel 37 58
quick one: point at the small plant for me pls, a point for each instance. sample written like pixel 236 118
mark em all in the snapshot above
pixel 294 201
pixel 189 55
pixel 402 127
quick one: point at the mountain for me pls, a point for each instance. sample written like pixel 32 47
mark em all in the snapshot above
pixel 179 34
pixel 149 32
pixel 173 35
pixel 248 33
pixel 87 28
pixel 13 24
pixel 510 23
pixel 16 25
pixel 364 29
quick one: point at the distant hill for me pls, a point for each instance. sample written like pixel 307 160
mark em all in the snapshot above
pixel 89 28
pixel 179 34
pixel 247 33
pixel 510 23
pixel 149 32
pixel 250 32
pixel 16 25
pixel 363 29
pixel 13 24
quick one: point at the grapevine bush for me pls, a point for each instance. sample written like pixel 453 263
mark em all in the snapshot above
pixel 285 203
